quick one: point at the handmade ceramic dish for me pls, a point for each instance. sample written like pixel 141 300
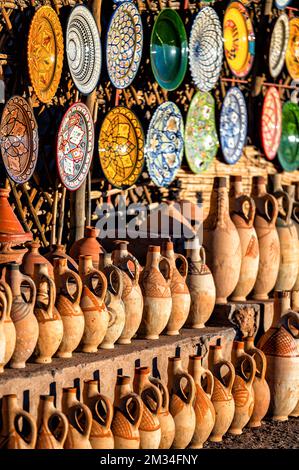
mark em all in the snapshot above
pixel 239 39
pixel 233 125
pixel 278 45
pixel 288 151
pixel 45 53
pixel 83 49
pixel 201 140
pixel 282 4
pixel 292 55
pixel 271 122
pixel 169 49
pixel 75 144
pixel 121 147
pixel 206 49
pixel 124 45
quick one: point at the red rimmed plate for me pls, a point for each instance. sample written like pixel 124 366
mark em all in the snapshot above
pixel 271 122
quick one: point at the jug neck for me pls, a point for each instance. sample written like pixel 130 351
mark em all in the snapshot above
pixel 236 187
pixel 120 251
pixel 249 343
pixel 9 410
pixel 282 303
pixel 153 257
pixel 259 186
pixel 215 356
pixel 46 408
pixel 237 351
pixel 123 388
pixel 195 368
pixel 90 390
pixel 14 279
pixel 69 398
pixel 85 264
pixel 141 379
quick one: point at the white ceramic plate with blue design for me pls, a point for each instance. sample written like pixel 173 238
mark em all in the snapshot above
pixel 282 4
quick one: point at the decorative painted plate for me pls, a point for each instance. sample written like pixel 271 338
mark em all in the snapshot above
pixel 165 144
pixel 169 49
pixel 282 4
pixel 45 53
pixel 83 49
pixel 19 139
pixel 75 144
pixel 206 49
pixel 124 45
pixel 271 122
pixel 239 39
pixel 292 55
pixel 201 140
pixel 288 151
pixel 233 125
pixel 121 147
pixel 278 45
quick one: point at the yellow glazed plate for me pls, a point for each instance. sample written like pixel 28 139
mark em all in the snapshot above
pixel 292 55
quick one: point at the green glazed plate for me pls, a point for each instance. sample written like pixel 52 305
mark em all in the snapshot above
pixel 169 49
pixel 288 151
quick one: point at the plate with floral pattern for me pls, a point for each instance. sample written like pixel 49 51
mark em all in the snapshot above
pixel 271 122
pixel 292 55
pixel 278 45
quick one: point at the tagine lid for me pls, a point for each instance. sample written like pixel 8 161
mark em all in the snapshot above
pixel 11 231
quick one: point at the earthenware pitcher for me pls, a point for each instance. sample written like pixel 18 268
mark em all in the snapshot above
pixel 9 327
pixel 33 257
pixel 52 425
pixel 11 435
pixel 292 192
pixel 3 313
pixel 165 418
pixel 79 429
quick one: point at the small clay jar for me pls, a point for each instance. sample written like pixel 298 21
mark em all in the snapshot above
pixel 52 425
pixel 3 312
pixel 59 251
pixel 9 327
pixel 80 420
pixel 88 245
pixel 165 418
pixel 11 435
pixel 33 257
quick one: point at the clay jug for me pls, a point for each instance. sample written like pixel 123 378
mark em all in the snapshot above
pixel 269 246
pixel 52 425
pixel 69 290
pixel 293 192
pixel 149 428
pixel 165 418
pixel 260 386
pixel 222 397
pixel 101 436
pixel 157 302
pixel 222 243
pixel 3 313
pixel 128 408
pixel 49 320
pixel 12 435
pixel 22 315
pixel 80 420
pixel 201 285
pixel 58 251
pixel 33 257
pixel 181 388
pixel 132 295
pixel 9 327
pixel 204 409
pixel 243 221
pixel 180 294
pixel 88 245
pixel 94 309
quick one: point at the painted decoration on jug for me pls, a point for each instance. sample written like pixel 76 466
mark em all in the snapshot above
pixel 292 55
pixel 271 122
pixel 288 151
pixel 278 45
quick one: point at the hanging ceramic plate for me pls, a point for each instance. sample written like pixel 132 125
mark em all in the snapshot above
pixel 233 125
pixel 292 55
pixel 169 49
pixel 121 147
pixel 75 143
pixel 271 122
pixel 45 53
pixel 239 39
pixel 83 49
pixel 124 45
pixel 278 45
pixel 288 151
pixel 201 140
pixel 206 49
pixel 281 4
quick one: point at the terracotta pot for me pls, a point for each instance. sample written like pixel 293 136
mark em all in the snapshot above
pixel 156 295
pixel 222 243
pixel 295 217
pixel 52 425
pixel 88 245
pixel 3 313
pixel 33 257
pixel 9 327
pixel 222 398
pixel 80 420
pixel 58 251
pixel 164 416
pixel 11 437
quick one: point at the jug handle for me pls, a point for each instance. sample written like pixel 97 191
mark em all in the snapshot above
pixel 88 418
pixel 136 419
pixel 163 390
pixel 112 317
pixel 7 292
pixel 177 385
pixel 68 274
pixel 202 254
pixel 65 425
pixel 33 427
pixel 244 198
pixel 135 274
pixel 295 208
pixel 3 300
pixel 257 353
pixel 290 320
pixel 119 290
pixel 103 280
pixel 286 204
pixel 109 416
pixel 32 289
pixel 184 272
pixel 169 268
pixel 52 293
pixel 210 382
pixel 269 198
pixel 251 361
pixel 158 398
pixel 232 374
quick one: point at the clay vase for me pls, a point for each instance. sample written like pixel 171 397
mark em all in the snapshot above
pixel 52 425
pixel 201 285
pixel 101 436
pixel 33 257
pixel 49 320
pixel 165 418
pixel 249 242
pixel 260 386
pixel 93 307
pixel 149 428
pixel 182 397
pixel 58 251
pixel 11 436
pixel 68 305
pixel 3 313
pixel 180 294
pixel 22 315
pixel 222 243
pixel 222 397
pixel 269 246
pixel 80 420
pixel 157 301
pixel 8 325
pixel 295 217
pixel 131 295
pixel 128 408
pixel 88 245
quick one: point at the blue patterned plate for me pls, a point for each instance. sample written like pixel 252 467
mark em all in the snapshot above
pixel 282 4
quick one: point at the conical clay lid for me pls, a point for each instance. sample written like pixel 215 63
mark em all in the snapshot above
pixel 11 231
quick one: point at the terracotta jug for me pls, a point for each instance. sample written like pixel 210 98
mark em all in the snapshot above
pixel 149 428
pixel 33 257
pixel 11 435
pixel 201 285
pixel 269 246
pixel 52 425
pixel 58 251
pixel 131 295
pixel 222 397
pixel 88 245
pixel 203 406
pixel 293 192
pixel 181 388
pixel 156 295
pixel 222 243
pixel 249 242
pixel 260 386
pixel 93 306
pixel 3 313
pixel 101 436
pixel 9 327
pixel 68 305
pixel 165 418
pixel 128 408
pixel 80 420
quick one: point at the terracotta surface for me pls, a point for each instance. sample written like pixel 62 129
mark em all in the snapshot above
pixel 88 245
pixel 166 420
pixel 80 420
pixel 33 257
pixel 11 230
pixel 50 436
pixel 293 192
pixel 9 327
pixel 59 251
pixel 3 313
pixel 9 437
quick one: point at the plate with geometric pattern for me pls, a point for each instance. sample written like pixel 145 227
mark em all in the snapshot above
pixel 271 122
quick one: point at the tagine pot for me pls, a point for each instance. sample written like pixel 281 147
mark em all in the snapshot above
pixel 80 420
pixel 165 418
pixel 11 436
pixel 88 245
pixel 33 257
pixel 8 325
pixel 52 425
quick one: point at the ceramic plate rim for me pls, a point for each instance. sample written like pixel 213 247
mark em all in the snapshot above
pixel 282 56
pixel 262 114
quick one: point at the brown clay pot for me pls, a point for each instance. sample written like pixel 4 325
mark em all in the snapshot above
pixel 3 313
pixel 295 216
pixel 164 416
pixel 88 245
pixel 58 251
pixel 52 425
pixel 33 257
pixel 9 327
pixel 80 420
pixel 11 437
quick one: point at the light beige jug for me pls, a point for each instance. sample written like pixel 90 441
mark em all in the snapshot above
pixel 3 313
pixel 9 327
pixel 12 436
pixel 52 425
pixel 165 418
pixel 80 420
